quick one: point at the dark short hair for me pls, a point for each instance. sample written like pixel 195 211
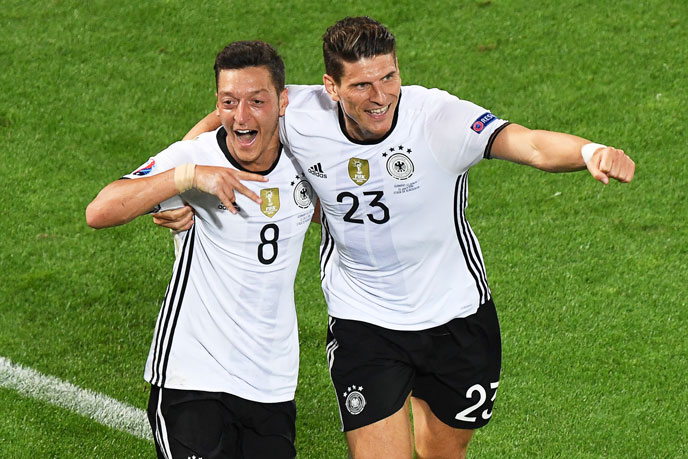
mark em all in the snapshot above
pixel 242 54
pixel 352 39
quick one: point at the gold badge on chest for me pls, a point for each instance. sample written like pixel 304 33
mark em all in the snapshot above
pixel 359 170
pixel 271 201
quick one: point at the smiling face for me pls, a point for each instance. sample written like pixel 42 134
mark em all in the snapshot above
pixel 249 108
pixel 368 93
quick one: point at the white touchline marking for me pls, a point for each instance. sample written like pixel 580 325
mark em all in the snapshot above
pixel 99 407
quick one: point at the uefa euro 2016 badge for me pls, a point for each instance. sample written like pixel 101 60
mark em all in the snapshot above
pixel 303 194
pixel 145 169
pixel 359 170
pixel 482 122
pixel 271 201
pixel 355 401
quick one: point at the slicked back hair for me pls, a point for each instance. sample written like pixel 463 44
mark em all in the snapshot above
pixel 242 54
pixel 352 39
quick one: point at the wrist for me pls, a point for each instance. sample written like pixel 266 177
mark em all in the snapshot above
pixel 589 149
pixel 184 177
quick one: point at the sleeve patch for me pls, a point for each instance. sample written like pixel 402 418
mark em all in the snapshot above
pixel 483 120
pixel 145 169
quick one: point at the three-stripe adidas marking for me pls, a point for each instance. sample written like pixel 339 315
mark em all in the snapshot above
pixel 169 314
pixel 467 239
pixel 317 170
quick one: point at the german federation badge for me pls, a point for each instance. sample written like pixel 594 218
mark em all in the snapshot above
pixel 303 194
pixel 400 166
pixel 355 402
pixel 271 201
pixel 359 170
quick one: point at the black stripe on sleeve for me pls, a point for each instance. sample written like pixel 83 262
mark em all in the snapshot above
pixel 487 154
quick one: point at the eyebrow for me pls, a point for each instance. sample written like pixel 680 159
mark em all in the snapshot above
pixel 354 83
pixel 251 93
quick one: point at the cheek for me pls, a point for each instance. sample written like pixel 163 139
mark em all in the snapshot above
pixel 225 116
pixel 352 105
pixel 268 120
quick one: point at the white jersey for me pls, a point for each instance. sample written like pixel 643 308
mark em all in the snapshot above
pixel 397 250
pixel 228 322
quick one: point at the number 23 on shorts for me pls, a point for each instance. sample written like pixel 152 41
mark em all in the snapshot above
pixel 469 414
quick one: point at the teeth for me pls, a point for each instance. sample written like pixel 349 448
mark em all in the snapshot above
pixel 243 131
pixel 379 111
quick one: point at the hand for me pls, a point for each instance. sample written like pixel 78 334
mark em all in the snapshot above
pixel 223 182
pixel 176 219
pixel 609 163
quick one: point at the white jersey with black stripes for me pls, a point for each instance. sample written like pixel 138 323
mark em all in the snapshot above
pixel 228 322
pixel 397 250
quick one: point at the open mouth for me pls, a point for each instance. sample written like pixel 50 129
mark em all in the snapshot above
pixel 245 136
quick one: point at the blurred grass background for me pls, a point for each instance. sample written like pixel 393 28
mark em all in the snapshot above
pixel 590 281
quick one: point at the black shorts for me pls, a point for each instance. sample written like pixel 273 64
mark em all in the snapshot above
pixel 211 425
pixel 453 367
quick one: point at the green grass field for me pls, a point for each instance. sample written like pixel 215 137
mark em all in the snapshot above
pixel 590 281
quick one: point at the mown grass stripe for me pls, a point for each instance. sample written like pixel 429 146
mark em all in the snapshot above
pixel 100 408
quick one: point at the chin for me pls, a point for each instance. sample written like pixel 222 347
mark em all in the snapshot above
pixel 380 130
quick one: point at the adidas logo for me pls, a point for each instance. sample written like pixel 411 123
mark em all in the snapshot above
pixel 316 170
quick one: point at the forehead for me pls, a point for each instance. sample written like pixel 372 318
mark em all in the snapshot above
pixel 248 80
pixel 369 68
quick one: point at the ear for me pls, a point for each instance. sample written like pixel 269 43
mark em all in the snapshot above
pixel 331 87
pixel 283 101
pixel 217 105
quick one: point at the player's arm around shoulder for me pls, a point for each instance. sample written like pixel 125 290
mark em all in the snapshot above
pixel 559 152
pixel 208 123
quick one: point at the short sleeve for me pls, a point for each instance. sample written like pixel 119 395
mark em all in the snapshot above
pixel 459 132
pixel 175 155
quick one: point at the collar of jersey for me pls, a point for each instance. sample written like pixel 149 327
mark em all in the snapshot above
pixel 222 143
pixel 342 126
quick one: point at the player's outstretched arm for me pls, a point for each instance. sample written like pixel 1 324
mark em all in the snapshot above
pixel 209 123
pixel 558 152
pixel 123 200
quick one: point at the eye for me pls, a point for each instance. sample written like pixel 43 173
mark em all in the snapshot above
pixel 258 102
pixel 361 85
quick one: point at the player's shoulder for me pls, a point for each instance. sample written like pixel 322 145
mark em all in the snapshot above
pixel 195 150
pixel 431 99
pixel 310 112
pixel 202 140
pixel 308 97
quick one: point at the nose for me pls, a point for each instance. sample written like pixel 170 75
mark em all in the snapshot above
pixel 242 115
pixel 376 94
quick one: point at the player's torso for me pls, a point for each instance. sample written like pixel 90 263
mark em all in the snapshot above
pixel 374 195
pixel 258 237
pixel 390 207
pixel 228 320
